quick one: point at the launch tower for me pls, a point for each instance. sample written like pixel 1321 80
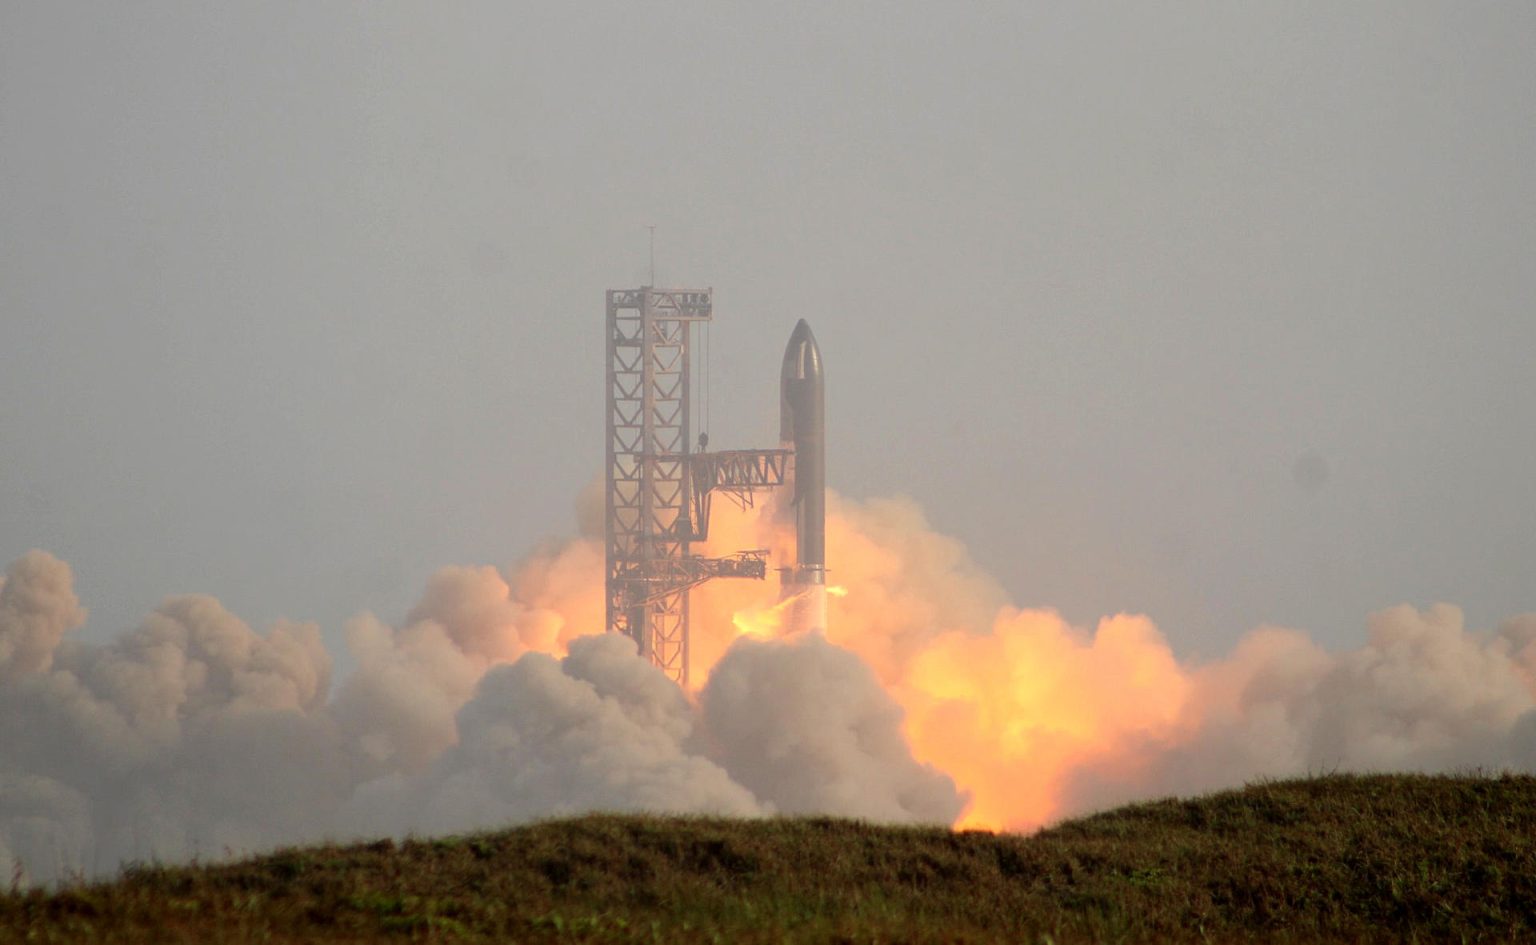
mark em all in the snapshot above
pixel 658 488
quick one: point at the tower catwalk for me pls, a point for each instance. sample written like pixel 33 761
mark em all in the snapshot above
pixel 657 490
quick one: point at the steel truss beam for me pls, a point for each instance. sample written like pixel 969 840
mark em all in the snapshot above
pixel 657 495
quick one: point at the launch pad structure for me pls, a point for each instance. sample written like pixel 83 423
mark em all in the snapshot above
pixel 658 488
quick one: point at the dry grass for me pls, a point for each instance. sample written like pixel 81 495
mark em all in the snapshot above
pixel 1334 859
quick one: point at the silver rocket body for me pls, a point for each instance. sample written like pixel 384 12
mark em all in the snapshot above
pixel 802 428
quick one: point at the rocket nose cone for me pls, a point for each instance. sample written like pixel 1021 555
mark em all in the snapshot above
pixel 802 358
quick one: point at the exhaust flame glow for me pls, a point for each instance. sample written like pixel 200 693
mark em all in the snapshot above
pixel 765 622
pixel 923 696
pixel 1007 708
pixel 1037 719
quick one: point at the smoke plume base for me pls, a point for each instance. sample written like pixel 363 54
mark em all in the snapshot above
pixel 930 698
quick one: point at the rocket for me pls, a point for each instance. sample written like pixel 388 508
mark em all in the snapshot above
pixel 802 428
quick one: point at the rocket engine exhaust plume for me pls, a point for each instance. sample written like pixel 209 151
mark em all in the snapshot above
pixel 927 697
pixel 1037 719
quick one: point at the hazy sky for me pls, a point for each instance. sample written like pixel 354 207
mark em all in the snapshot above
pixel 1220 312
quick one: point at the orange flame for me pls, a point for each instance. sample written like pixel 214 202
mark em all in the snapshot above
pixel 1009 702
pixel 762 621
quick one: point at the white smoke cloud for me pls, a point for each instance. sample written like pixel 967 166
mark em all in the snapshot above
pixel 808 728
pixel 195 735
pixel 397 709
pixel 37 607
pixel 786 727
pixel 187 735
pixel 599 730
pixel 1423 694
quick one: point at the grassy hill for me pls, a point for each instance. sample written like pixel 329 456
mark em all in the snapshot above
pixel 1336 859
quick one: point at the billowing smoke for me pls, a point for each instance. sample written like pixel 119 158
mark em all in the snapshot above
pixel 1423 694
pixel 597 730
pixel 189 735
pixel 808 727
pixel 929 699
pixel 37 607
pixel 194 735
pixel 1036 719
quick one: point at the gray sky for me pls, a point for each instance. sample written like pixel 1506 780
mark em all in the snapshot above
pixel 1224 312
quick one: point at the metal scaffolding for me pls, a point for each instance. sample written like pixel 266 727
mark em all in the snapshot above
pixel 657 490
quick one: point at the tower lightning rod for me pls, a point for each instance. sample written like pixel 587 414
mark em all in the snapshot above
pixel 652 228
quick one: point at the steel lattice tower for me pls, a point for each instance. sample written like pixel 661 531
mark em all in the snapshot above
pixel 657 491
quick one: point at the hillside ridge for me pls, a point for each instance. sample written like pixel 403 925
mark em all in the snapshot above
pixel 1339 858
